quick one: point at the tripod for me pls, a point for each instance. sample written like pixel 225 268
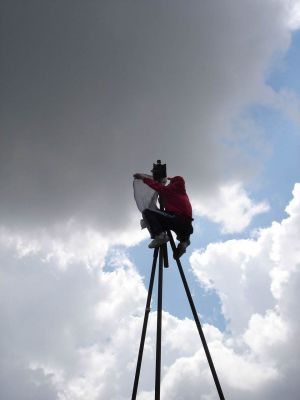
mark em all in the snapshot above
pixel 162 254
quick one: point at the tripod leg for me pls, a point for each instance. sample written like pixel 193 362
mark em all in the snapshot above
pixel 165 253
pixel 158 329
pixel 197 320
pixel 146 316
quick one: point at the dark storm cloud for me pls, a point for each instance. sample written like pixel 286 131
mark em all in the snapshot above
pixel 93 91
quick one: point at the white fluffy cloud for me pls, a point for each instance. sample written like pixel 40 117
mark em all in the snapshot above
pixel 231 207
pixel 256 280
pixel 293 7
pixel 72 333
pixel 67 331
pixel 69 243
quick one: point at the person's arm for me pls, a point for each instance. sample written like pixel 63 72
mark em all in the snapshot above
pixel 158 187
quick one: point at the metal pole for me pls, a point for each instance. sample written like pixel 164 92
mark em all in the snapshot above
pixel 146 316
pixel 197 320
pixel 165 255
pixel 158 329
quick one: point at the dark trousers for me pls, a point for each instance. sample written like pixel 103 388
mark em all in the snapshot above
pixel 160 221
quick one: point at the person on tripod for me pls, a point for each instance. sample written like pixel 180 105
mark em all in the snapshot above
pixel 176 216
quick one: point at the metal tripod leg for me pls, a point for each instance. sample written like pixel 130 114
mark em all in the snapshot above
pixel 159 317
pixel 193 308
pixel 146 316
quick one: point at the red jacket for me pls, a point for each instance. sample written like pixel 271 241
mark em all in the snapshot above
pixel 174 195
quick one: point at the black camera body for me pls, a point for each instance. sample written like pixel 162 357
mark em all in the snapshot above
pixel 159 171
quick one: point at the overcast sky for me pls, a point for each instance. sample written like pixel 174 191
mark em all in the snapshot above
pixel 93 91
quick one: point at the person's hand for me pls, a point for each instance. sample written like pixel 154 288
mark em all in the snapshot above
pixel 138 176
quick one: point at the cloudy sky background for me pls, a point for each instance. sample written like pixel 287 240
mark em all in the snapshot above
pixel 93 91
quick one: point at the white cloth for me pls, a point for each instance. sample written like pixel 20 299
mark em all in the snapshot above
pixel 144 196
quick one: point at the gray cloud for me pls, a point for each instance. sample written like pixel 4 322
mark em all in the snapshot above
pixel 93 91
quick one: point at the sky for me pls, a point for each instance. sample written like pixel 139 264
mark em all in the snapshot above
pixel 94 91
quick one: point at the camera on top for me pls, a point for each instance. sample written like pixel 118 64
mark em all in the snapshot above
pixel 159 171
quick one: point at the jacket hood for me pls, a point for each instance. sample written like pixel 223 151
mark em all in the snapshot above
pixel 179 182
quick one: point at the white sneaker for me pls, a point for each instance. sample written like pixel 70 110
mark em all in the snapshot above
pixel 143 224
pixel 158 240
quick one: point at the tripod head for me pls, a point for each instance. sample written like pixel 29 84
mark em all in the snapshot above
pixel 159 171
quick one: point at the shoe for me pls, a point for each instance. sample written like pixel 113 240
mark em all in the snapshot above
pixel 158 240
pixel 143 224
pixel 180 250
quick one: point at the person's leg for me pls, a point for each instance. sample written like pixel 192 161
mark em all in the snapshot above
pixel 157 221
pixel 183 231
